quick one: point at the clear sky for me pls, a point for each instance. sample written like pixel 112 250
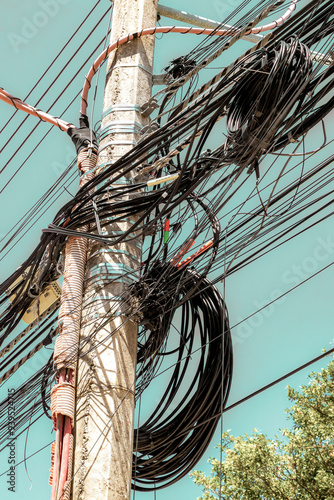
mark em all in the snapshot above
pixel 273 341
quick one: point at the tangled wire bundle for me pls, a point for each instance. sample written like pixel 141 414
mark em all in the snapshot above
pixel 270 96
pixel 175 436
pixel 272 85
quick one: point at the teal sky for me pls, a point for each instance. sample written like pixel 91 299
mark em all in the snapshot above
pixel 286 334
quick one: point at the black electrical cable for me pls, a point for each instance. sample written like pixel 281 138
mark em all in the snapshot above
pixel 172 440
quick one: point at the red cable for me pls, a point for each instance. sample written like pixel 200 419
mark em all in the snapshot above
pixel 199 252
pixel 65 455
pixel 183 250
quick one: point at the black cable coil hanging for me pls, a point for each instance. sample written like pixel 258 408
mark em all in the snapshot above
pixel 177 433
pixel 273 84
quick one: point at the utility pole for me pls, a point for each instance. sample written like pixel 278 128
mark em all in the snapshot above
pixel 106 369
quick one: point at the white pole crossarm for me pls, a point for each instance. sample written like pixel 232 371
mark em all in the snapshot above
pixel 193 19
pixel 185 17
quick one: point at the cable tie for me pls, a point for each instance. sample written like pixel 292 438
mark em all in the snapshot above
pixel 264 60
pixel 97 219
pixel 90 150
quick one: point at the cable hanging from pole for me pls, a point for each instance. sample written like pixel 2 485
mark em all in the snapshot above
pixel 181 262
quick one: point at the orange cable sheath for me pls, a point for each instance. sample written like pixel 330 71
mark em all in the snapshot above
pixel 19 104
pixel 58 447
pixel 183 250
pixel 65 354
pixel 199 252
pixel 58 453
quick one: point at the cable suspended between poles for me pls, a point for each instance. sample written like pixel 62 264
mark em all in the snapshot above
pixel 182 266
pixel 65 126
pixel 44 117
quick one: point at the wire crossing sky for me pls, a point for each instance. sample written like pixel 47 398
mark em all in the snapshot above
pixel 249 207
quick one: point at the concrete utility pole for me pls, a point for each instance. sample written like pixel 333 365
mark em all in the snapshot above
pixel 106 375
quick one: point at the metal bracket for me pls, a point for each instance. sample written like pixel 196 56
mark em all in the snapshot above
pixel 161 79
pixel 148 108
pixel 148 129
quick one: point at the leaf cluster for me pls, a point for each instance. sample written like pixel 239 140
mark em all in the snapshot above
pixel 299 465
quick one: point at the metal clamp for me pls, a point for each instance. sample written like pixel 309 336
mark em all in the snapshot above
pixel 148 108
pixel 161 79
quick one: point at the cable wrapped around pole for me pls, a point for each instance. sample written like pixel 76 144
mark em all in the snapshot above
pixel 66 348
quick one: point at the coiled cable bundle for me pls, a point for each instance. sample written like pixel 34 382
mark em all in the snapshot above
pixel 273 85
pixel 175 436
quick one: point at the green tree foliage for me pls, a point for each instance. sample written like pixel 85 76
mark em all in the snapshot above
pixel 299 465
